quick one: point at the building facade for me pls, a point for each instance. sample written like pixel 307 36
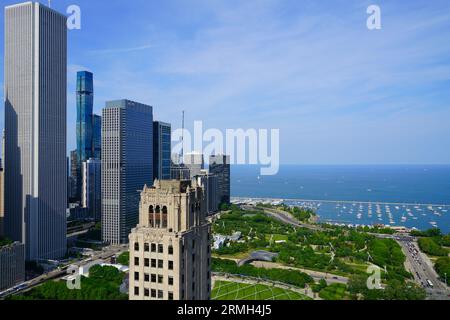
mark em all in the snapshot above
pixel 12 265
pixel 170 253
pixel 162 148
pixel 195 162
pixel 127 165
pixel 88 126
pixel 2 212
pixel 210 184
pixel 75 176
pixel 92 188
pixel 219 165
pixel 35 94
pixel 85 107
pixel 96 137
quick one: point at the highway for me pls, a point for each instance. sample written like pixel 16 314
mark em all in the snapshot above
pixel 422 269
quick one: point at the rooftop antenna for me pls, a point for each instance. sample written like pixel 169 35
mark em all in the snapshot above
pixel 181 160
pixel 182 139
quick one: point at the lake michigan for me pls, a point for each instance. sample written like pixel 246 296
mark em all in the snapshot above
pixel 399 195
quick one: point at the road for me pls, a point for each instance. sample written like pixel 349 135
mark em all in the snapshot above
pixel 316 275
pixel 284 217
pixel 105 254
pixel 422 269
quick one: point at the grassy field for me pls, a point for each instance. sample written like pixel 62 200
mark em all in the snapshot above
pixel 238 291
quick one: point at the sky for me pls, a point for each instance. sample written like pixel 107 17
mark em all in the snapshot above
pixel 338 92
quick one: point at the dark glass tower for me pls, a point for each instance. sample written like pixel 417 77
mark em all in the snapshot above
pixel 96 137
pixel 161 150
pixel 85 106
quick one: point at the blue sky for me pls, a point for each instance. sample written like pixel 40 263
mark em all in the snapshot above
pixel 339 93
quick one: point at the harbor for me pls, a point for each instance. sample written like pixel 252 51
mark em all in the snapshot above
pixel 360 213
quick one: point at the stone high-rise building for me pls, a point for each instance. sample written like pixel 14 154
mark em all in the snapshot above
pixel 35 95
pixel 170 254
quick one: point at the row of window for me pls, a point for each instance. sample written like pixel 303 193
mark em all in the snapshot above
pixel 159 294
pixel 153 248
pixel 153 263
pixel 153 278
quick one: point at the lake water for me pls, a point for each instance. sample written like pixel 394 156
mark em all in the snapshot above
pixel 412 196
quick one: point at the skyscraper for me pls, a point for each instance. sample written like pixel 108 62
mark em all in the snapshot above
pixel 91 190
pixel 35 127
pixel 195 162
pixel 219 165
pixel 96 136
pixel 127 165
pixel 12 264
pixel 209 182
pixel 85 107
pixel 2 212
pixel 170 253
pixel 162 148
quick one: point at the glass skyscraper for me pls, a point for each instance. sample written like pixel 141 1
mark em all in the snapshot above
pixel 96 137
pixel 162 148
pixel 85 106
pixel 89 127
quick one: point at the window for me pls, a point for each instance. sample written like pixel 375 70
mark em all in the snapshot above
pixel 170 265
pixel 153 293
pixel 146 262
pixel 136 246
pixel 170 296
pixel 193 257
pixel 160 248
pixel 136 261
pixel 170 281
pixel 160 264
pixel 146 247
pixel 160 279
pixel 171 250
pixel 146 292
pixel 136 291
pixel 153 278
pixel 146 277
pixel 136 276
pixel 160 294
pixel 164 217
pixel 153 247
pixel 153 263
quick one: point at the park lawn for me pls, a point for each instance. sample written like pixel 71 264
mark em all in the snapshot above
pixel 236 256
pixel 335 291
pixel 228 291
pixel 277 237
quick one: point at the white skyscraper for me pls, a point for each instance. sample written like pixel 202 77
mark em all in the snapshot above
pixel 35 127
